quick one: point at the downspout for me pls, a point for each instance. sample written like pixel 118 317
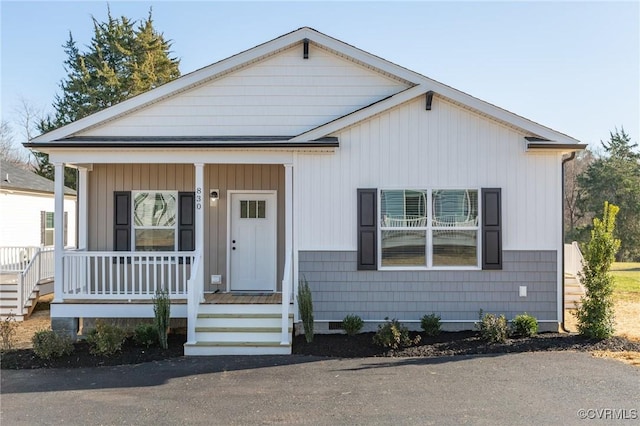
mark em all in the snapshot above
pixel 564 161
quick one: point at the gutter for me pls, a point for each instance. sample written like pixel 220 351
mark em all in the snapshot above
pixel 564 161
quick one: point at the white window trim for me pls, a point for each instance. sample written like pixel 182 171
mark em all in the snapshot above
pixel 134 227
pixel 429 234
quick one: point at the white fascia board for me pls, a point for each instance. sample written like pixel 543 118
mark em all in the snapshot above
pixel 362 114
pixel 204 74
pixel 439 88
pixel 181 84
pixel 170 156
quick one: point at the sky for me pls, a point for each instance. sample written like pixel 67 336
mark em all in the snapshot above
pixel 571 66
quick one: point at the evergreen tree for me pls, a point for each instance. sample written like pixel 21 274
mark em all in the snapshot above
pixel 596 315
pixel 615 177
pixel 122 60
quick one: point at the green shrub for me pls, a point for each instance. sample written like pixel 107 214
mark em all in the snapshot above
pixel 8 328
pixel 430 324
pixel 525 325
pixel 48 344
pixel 352 324
pixel 596 315
pixel 145 335
pixel 392 334
pixel 305 308
pixel 162 313
pixel 493 329
pixel 106 339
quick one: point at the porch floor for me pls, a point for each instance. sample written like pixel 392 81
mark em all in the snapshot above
pixel 243 299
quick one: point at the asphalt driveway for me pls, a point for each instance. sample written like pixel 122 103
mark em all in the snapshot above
pixel 531 388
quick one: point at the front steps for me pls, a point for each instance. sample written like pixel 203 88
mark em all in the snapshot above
pixel 573 292
pixel 239 329
pixel 9 300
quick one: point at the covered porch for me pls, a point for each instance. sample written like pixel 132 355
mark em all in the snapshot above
pixel 104 278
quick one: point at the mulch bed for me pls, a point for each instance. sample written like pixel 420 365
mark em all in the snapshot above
pixel 332 345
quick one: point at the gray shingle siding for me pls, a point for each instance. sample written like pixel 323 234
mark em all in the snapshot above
pixel 340 289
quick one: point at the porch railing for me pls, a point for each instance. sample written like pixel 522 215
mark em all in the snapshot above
pixel 286 298
pixel 16 259
pixel 125 275
pixel 573 260
pixel 195 288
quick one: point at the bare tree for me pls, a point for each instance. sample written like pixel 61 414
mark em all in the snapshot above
pixel 9 150
pixel 574 217
pixel 28 117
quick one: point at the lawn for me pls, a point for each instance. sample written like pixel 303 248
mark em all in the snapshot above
pixel 627 280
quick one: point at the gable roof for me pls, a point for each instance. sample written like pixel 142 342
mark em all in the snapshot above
pixel 420 85
pixel 16 178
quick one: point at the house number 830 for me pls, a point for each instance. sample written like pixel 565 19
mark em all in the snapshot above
pixel 198 198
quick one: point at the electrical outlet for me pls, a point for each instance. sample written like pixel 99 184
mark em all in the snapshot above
pixel 216 279
pixel 523 291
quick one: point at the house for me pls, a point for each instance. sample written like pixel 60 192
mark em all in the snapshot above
pixel 26 235
pixel 27 211
pixel 392 194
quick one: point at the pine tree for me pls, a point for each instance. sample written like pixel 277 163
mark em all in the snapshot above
pixel 122 61
pixel 615 177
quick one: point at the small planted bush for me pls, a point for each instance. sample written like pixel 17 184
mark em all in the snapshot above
pixel 430 324
pixel 106 339
pixel 162 313
pixel 305 308
pixel 7 331
pixel 392 334
pixel 352 324
pixel 47 344
pixel 525 325
pixel 145 335
pixel 493 329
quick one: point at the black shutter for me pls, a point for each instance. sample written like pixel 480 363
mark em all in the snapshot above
pixel 491 228
pixel 122 221
pixel 367 229
pixel 43 225
pixel 186 221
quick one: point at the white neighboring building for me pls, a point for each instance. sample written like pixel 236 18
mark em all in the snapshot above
pixel 27 206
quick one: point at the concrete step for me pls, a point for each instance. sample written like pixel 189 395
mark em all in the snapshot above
pixel 236 348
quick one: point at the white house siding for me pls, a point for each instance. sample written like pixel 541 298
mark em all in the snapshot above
pixel 20 218
pixel 447 147
pixel 281 95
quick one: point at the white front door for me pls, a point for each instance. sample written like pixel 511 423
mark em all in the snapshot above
pixel 252 242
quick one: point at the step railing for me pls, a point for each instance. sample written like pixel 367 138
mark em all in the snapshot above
pixel 38 269
pixel 125 275
pixel 195 296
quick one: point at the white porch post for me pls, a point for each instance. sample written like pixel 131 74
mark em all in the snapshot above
pixel 83 208
pixel 58 218
pixel 288 208
pixel 201 199
pixel 288 249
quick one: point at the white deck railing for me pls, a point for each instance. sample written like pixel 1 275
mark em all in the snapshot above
pixel 286 298
pixel 125 275
pixel 16 259
pixel 38 269
pixel 573 260
pixel 195 290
